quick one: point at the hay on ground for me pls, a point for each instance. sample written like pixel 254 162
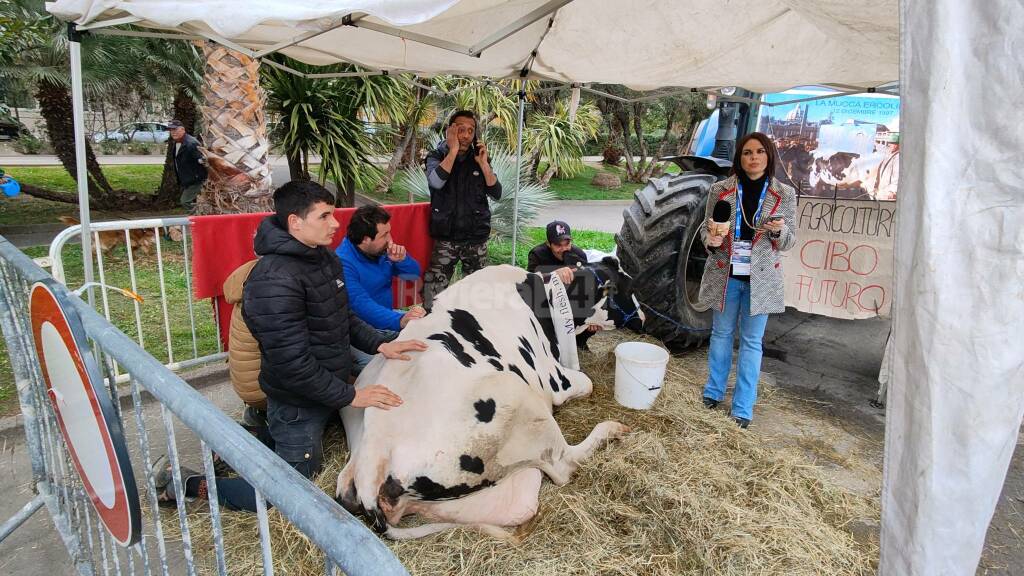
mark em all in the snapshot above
pixel 687 492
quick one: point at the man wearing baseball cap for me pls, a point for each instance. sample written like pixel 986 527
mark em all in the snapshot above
pixel 557 255
pixel 189 164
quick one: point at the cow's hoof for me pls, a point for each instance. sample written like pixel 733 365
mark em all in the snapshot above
pixel 377 521
pixel 616 429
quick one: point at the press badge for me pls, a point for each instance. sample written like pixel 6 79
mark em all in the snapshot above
pixel 741 257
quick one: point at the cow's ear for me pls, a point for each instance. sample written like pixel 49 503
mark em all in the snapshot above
pixel 610 262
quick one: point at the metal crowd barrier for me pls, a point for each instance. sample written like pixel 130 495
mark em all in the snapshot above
pixel 153 231
pixel 345 542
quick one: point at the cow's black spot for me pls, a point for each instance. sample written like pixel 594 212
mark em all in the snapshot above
pixel 497 365
pixel 467 326
pixel 391 490
pixel 452 344
pixel 565 381
pixel 553 383
pixel 518 372
pixel 430 490
pixel 471 464
pixel 527 356
pixel 484 409
pixel 526 344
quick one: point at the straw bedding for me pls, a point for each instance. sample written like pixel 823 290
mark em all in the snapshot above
pixel 686 492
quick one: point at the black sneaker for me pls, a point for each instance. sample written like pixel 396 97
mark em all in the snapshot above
pixel 710 403
pixel 741 422
pixel 254 417
pixel 164 480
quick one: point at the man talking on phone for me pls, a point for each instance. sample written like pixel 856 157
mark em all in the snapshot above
pixel 461 179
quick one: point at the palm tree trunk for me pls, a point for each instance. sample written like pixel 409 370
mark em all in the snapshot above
pixel 296 166
pixel 346 195
pixel 235 133
pixel 406 134
pixel 55 107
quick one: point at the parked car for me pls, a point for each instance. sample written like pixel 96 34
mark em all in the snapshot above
pixel 135 132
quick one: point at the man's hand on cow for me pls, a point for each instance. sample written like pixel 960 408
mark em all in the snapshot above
pixel 413 313
pixel 376 396
pixel 396 252
pixel 715 241
pixel 393 350
pixel 565 275
pixel 594 328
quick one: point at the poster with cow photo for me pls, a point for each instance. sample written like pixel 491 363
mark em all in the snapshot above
pixel 845 147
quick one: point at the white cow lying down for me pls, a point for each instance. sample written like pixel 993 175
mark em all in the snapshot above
pixel 475 429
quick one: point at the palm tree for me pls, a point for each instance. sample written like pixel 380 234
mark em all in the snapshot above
pixel 235 134
pixel 323 116
pixel 39 59
pixel 559 139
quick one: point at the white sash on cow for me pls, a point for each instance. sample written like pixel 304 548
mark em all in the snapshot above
pixel 565 327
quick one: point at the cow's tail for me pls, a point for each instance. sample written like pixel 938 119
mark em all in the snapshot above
pixel 428 529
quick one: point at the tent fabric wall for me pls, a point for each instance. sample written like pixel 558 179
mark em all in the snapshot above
pixel 643 43
pixel 956 397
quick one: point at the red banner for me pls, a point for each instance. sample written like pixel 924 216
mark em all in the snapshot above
pixel 222 243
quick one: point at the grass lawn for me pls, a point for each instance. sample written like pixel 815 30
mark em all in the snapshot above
pixel 500 252
pixel 579 187
pixel 122 311
pixel 24 209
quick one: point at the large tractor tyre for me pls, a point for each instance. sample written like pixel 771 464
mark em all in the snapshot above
pixel 660 248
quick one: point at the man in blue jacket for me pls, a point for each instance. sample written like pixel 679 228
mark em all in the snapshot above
pixel 370 260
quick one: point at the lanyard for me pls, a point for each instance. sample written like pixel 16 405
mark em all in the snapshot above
pixel 739 206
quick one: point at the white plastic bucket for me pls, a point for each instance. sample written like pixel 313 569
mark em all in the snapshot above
pixel 639 373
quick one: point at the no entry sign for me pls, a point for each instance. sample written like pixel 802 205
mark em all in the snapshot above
pixel 85 412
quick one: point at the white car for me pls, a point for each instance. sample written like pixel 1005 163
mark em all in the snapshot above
pixel 135 132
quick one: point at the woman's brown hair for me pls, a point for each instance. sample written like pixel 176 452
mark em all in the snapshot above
pixel 769 148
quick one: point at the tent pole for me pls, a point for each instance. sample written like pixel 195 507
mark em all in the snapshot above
pixel 78 110
pixel 519 164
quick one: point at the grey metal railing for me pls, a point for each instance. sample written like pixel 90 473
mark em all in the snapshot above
pixel 344 540
pixel 151 234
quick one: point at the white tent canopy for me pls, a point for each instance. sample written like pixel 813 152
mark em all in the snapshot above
pixel 956 396
pixel 697 43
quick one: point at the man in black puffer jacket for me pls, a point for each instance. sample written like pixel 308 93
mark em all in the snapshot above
pixel 296 306
pixel 460 179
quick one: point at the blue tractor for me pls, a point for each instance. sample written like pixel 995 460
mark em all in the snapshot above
pixel 659 245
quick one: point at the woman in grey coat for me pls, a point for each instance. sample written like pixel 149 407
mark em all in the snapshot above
pixel 743 280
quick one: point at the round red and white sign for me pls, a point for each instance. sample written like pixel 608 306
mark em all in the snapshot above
pixel 85 412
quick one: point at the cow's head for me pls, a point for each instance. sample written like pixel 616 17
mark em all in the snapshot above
pixel 839 162
pixel 606 294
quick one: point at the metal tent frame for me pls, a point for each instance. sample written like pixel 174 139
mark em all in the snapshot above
pixel 356 19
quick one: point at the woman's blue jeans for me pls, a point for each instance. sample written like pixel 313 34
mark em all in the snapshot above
pixel 748 366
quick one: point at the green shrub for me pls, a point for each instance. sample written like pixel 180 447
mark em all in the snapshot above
pixel 28 144
pixel 110 147
pixel 139 148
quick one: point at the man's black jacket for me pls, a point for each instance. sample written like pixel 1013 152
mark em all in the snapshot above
pixel 187 164
pixel 459 211
pixel 542 259
pixel 296 306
